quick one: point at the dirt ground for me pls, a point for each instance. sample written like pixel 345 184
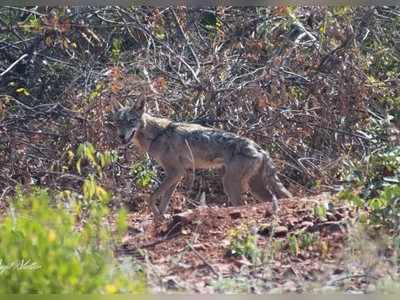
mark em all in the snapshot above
pixel 191 250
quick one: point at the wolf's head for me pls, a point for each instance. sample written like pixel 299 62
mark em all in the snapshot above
pixel 128 120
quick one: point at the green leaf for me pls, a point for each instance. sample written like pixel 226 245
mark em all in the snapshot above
pixel 377 203
pixel 122 224
pixel 78 166
pixel 23 91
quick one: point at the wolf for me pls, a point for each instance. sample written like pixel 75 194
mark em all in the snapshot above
pixel 179 147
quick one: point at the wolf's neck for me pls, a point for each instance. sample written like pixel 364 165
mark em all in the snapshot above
pixel 151 128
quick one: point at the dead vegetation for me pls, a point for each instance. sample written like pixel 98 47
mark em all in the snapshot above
pixel 297 81
pixel 317 87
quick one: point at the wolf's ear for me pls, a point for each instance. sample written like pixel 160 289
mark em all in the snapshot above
pixel 139 105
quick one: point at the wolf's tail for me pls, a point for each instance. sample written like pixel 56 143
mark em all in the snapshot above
pixel 271 178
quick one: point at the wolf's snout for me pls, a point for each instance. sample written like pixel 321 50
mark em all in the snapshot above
pixel 126 136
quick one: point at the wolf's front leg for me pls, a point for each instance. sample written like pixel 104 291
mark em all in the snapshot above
pixel 165 191
pixel 274 204
pixel 151 202
pixel 166 197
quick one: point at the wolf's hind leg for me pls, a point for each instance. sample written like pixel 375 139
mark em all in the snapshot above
pixel 234 179
pixel 232 188
pixel 259 190
pixel 261 193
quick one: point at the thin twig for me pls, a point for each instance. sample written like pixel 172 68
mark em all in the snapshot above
pixel 187 41
pixel 5 192
pixel 13 65
pixel 203 259
pixel 26 10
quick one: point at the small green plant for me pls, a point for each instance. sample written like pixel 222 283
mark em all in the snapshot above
pixel 307 239
pixel 98 160
pixel 96 92
pixel 144 175
pixel 23 91
pixel 301 240
pixel 319 211
pixel 244 242
pixel 275 247
pixel 93 203
pixel 44 250
pixel 32 23
pixel 293 243
pixel 116 48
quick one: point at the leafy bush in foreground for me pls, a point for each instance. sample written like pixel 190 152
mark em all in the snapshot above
pixel 378 180
pixel 44 250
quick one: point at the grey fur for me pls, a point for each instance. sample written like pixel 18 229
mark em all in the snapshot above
pixel 178 147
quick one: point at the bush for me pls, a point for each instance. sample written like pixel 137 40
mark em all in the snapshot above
pixel 244 242
pixel 379 184
pixel 383 209
pixel 375 172
pixel 43 249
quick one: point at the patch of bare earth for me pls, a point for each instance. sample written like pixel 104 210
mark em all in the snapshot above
pixel 190 250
